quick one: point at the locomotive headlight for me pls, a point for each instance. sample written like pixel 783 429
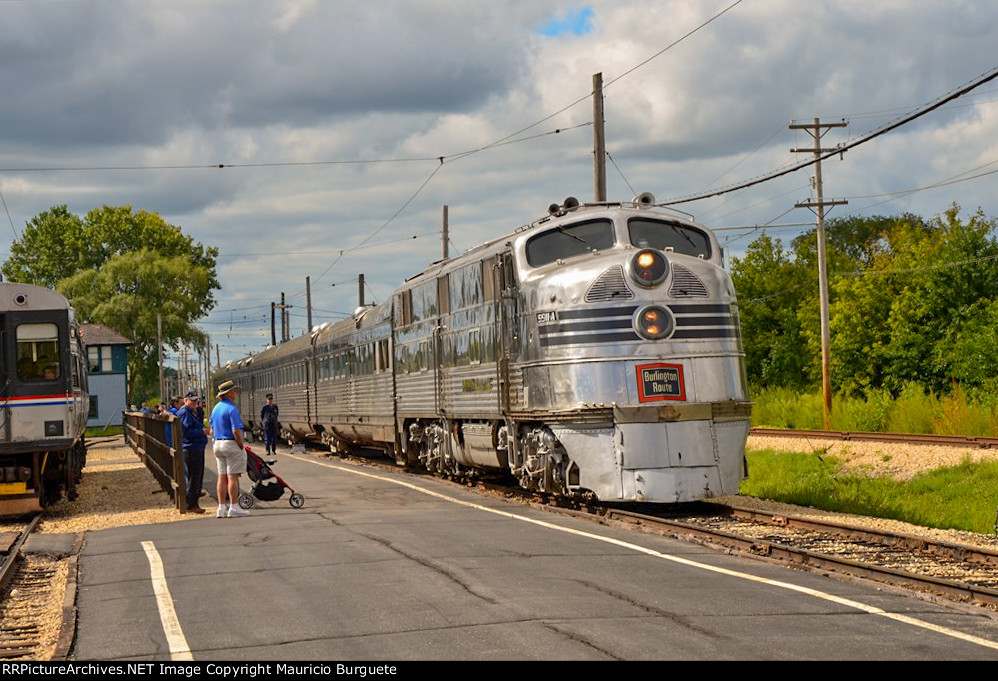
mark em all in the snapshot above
pixel 648 267
pixel 654 322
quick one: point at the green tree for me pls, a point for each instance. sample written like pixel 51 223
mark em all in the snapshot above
pixel 128 293
pixel 120 268
pixel 771 285
pixel 56 244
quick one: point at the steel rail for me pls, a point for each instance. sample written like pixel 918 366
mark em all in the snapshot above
pixel 13 556
pixel 862 436
pixel 960 591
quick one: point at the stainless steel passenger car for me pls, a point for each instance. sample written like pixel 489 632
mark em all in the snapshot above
pixel 595 351
pixel 43 398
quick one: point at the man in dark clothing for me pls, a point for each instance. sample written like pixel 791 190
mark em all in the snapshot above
pixel 195 440
pixel 268 416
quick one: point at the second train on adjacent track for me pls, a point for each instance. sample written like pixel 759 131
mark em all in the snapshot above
pixel 593 352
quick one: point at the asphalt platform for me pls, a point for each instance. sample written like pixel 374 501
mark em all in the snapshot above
pixel 381 566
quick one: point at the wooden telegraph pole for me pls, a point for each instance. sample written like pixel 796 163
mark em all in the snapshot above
pixel 599 140
pixel 446 232
pixel 817 130
pixel 308 303
pixel 159 344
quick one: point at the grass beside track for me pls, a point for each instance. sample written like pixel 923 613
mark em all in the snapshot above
pixel 962 497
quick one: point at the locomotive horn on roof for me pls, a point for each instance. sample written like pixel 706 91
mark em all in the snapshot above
pixel 570 204
pixel 644 200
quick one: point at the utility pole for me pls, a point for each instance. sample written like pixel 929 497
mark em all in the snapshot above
pixel 284 319
pixel 207 373
pixel 308 303
pixel 446 228
pixel 816 130
pixel 273 328
pixel 360 290
pixel 159 344
pixel 599 140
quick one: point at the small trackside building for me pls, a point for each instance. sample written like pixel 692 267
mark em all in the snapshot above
pixel 107 370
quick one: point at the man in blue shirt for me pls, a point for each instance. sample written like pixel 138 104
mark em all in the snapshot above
pixel 195 440
pixel 230 452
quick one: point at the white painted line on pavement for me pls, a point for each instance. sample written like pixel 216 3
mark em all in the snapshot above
pixel 179 650
pixel 869 609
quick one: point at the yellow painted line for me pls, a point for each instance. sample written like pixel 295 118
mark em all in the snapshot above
pixel 869 609
pixel 179 650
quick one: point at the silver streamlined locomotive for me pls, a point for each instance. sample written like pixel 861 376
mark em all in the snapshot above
pixel 595 351
pixel 43 398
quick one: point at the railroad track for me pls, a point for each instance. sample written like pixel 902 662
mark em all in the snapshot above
pixel 959 572
pixel 33 616
pixel 860 436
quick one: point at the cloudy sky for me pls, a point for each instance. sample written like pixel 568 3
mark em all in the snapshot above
pixel 331 118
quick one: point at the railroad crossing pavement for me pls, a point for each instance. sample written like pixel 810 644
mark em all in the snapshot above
pixel 383 566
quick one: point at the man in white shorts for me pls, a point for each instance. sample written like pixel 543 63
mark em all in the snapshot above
pixel 230 452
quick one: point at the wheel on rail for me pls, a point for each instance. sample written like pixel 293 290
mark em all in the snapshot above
pixel 245 500
pixel 297 500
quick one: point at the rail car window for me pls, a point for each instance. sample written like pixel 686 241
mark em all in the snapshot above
pixel 38 352
pixel 466 287
pixel 645 233
pixel 424 301
pixel 569 241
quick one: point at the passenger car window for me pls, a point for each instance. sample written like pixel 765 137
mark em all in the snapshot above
pixel 569 241
pixel 38 352
pixel 645 233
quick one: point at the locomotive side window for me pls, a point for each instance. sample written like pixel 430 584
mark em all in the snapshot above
pixel 569 241
pixel 645 233
pixel 38 352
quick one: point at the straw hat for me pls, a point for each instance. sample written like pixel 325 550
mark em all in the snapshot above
pixel 225 387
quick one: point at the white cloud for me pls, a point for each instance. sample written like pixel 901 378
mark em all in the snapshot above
pixel 132 83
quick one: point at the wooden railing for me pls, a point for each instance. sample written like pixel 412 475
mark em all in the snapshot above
pixel 148 435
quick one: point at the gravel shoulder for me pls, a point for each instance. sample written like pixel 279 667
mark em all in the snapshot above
pixel 116 491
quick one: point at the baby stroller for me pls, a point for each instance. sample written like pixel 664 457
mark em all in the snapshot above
pixel 267 486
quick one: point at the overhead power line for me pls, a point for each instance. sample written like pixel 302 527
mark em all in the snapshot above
pixel 842 148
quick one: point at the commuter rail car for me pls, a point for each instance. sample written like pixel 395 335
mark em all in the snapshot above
pixel 593 352
pixel 43 399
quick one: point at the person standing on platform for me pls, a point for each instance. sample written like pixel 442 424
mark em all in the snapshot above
pixel 230 451
pixel 268 416
pixel 195 440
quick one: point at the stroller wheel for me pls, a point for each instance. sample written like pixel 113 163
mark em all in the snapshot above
pixel 245 500
pixel 297 500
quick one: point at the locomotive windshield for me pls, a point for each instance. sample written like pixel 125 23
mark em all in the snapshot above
pixel 38 352
pixel 645 233
pixel 569 241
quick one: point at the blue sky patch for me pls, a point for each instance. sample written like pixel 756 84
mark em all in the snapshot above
pixel 577 22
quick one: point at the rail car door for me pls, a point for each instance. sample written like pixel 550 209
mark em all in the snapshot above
pixel 437 364
pixel 508 333
pixel 36 389
pixel 5 376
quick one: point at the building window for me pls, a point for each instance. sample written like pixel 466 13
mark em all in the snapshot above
pixel 93 359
